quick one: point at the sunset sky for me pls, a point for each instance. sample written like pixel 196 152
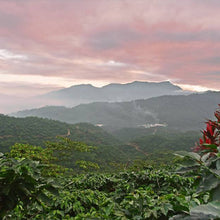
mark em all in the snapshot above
pixel 50 44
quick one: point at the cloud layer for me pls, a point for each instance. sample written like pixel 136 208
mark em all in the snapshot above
pixel 59 43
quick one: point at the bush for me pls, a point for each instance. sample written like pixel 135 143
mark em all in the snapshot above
pixel 21 182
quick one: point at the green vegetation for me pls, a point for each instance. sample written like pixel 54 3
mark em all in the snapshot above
pixel 167 141
pixel 111 149
pixel 37 131
pixel 156 145
pixel 21 183
pixel 58 155
pixel 189 190
pixel 146 194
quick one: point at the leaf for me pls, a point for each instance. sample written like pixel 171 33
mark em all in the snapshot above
pixel 216 193
pixel 212 146
pixel 208 183
pixel 205 157
pixel 53 190
pixel 166 208
pixel 218 164
pixel 217 172
pixel 212 208
pixel 45 198
pixel 192 155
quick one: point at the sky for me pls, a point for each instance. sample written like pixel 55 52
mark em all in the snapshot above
pixel 51 44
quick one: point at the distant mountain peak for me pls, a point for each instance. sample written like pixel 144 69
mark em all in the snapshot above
pixel 114 92
pixel 80 86
pixel 166 82
pixel 140 83
pixel 136 83
pixel 112 85
pixel 83 85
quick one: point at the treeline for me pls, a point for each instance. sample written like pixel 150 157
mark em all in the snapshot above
pixel 120 147
pixel 36 131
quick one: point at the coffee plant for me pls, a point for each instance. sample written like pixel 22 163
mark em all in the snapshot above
pixel 21 182
pixel 190 192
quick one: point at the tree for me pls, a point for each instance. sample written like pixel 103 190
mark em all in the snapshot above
pixel 55 155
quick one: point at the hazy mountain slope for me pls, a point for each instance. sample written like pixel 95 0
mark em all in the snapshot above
pixel 87 93
pixel 138 136
pixel 163 141
pixel 119 115
pixel 183 112
pixel 177 112
pixel 36 131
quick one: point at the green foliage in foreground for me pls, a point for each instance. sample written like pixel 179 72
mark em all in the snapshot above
pixel 207 168
pixel 56 155
pixel 192 193
pixel 148 194
pixel 21 182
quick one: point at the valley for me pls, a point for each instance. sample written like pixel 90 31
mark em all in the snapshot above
pixel 180 112
pixel 112 146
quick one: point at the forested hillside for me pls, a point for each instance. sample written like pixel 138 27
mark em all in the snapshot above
pixel 120 146
pixel 167 141
pixel 176 112
pixel 36 131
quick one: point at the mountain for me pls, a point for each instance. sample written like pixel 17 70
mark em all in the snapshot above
pixel 182 112
pixel 36 131
pixel 87 93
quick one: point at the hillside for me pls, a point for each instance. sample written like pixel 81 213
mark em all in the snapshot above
pixel 167 141
pixel 182 112
pixel 156 145
pixel 36 131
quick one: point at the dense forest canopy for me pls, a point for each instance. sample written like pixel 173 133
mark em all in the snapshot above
pixel 119 146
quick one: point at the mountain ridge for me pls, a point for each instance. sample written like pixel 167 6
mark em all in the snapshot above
pixel 167 82
pixel 182 112
pixel 87 93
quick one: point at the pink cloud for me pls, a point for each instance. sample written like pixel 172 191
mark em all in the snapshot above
pixel 76 40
